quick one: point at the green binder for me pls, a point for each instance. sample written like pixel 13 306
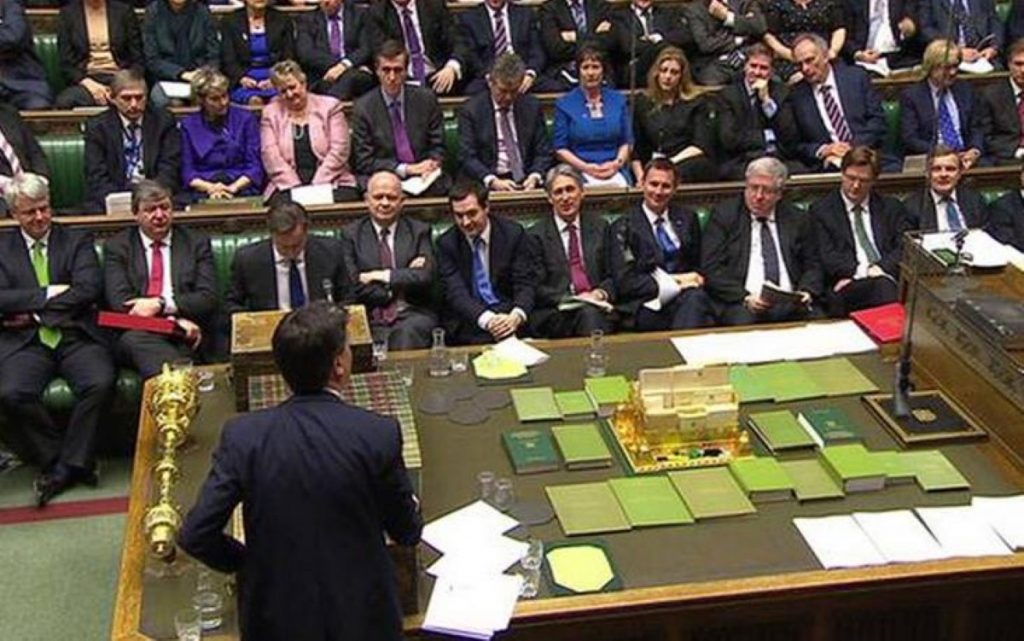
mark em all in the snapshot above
pixel 606 392
pixel 898 469
pixel 531 451
pixel 854 467
pixel 831 424
pixel 934 471
pixel 811 481
pixel 749 387
pixel 535 404
pixel 587 508
pixel 711 492
pixel 838 377
pixel 787 381
pixel 574 404
pixel 582 446
pixel 650 500
pixel 762 478
pixel 779 430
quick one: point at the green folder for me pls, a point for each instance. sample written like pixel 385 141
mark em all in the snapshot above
pixel 831 424
pixel 934 471
pixel 575 403
pixel 854 467
pixel 606 392
pixel 531 451
pixel 762 478
pixel 535 404
pixel 787 381
pixel 582 446
pixel 898 468
pixel 650 500
pixel 838 377
pixel 779 430
pixel 711 492
pixel 749 387
pixel 587 508
pixel 811 481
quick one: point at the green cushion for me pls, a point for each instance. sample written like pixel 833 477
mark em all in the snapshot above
pixel 224 248
pixel 990 195
pixel 892 121
pixel 451 147
pixel 46 49
pixel 1003 10
pixel 58 397
pixel 66 156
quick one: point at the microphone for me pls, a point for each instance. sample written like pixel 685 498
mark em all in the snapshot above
pixel 328 289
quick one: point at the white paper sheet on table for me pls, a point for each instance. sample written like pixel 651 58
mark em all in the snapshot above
pixel 475 608
pixel 459 528
pixel 483 556
pixel 985 251
pixel 416 185
pixel 514 349
pixel 981 65
pixel 838 542
pixel 307 195
pixel 815 340
pixel 960 532
pixel 1005 515
pixel 900 536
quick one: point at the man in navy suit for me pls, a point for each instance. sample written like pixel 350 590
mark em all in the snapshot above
pixel 974 23
pixel 22 77
pixel 957 124
pixel 564 26
pixel 946 205
pixel 888 37
pixel 320 483
pixel 333 46
pixel 657 258
pixel 485 263
pixel 860 236
pixel 498 27
pixel 502 138
pixel 1002 117
pixel 49 285
pixel 833 108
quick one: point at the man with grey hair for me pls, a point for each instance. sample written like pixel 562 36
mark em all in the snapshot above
pixel 833 109
pixel 760 253
pixel 128 142
pixel 574 287
pixel 502 140
pixel 159 270
pixel 288 270
pixel 50 283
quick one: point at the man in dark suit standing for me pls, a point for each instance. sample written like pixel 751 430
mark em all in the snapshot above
pixel 860 236
pixel 722 29
pixel 486 267
pixel 575 290
pixel 1001 107
pixel 946 205
pixel 320 483
pixel 399 128
pixel 334 49
pixel 757 239
pixel 158 269
pixel 567 24
pixel 289 269
pixel 882 32
pixel 502 138
pixel 641 30
pixel 657 256
pixel 20 152
pixel 833 108
pixel 976 27
pixel 437 58
pixel 49 285
pixel 129 142
pixel 1015 23
pixel 22 77
pixel 496 28
pixel 390 258
pixel 1006 216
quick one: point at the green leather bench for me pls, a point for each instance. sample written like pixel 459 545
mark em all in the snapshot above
pixel 65 154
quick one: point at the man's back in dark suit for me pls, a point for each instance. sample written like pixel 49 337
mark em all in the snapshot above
pixel 478 136
pixel 477 32
pixel 999 121
pixel 312 39
pixel 1006 219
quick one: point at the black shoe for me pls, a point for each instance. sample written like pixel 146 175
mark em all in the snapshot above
pixel 89 478
pixel 47 487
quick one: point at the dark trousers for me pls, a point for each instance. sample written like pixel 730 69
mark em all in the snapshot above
pixel 551 323
pixel 689 310
pixel 861 294
pixel 413 329
pixel 89 370
pixel 146 352
pixel 352 84
pixel 738 314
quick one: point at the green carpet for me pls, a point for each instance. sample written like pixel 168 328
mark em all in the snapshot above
pixel 115 479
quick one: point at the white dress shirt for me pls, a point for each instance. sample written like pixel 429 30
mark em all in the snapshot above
pixel 862 256
pixel 941 216
pixel 282 268
pixel 880 35
pixel 167 290
pixel 755 266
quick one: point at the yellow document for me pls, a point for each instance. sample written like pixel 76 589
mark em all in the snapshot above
pixel 494 367
pixel 580 568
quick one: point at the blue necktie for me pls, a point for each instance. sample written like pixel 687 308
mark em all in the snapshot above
pixel 952 215
pixel 295 292
pixel 480 280
pixel 668 248
pixel 950 135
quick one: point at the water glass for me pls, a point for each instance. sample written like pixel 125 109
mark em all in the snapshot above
pixel 485 481
pixel 460 361
pixel 504 494
pixel 210 606
pixel 187 626
pixel 406 372
pixel 439 363
pixel 596 358
pixel 205 378
pixel 531 564
pixel 380 353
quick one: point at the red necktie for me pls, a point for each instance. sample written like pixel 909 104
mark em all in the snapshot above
pixel 389 313
pixel 156 272
pixel 577 271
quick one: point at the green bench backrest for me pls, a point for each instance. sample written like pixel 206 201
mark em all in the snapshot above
pixel 49 55
pixel 65 154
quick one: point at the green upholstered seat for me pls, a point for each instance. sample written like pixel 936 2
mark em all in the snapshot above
pixel 1003 10
pixel 451 146
pixel 59 398
pixel 49 55
pixel 66 155
pixel 892 122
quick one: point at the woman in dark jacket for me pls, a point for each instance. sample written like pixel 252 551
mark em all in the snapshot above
pixel 252 41
pixel 95 38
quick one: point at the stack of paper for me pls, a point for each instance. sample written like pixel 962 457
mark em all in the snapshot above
pixel 1005 515
pixel 514 349
pixel 817 340
pixel 960 533
pixel 899 536
pixel 473 608
pixel 838 542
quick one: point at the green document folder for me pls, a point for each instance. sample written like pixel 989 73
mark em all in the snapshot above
pixel 650 500
pixel 576 403
pixel 811 481
pixel 711 492
pixel 779 430
pixel 762 478
pixel 531 451
pixel 934 471
pixel 898 469
pixel 854 466
pixel 582 446
pixel 606 392
pixel 535 404
pixel 749 387
pixel 587 508
pixel 838 377
pixel 832 424
pixel 787 381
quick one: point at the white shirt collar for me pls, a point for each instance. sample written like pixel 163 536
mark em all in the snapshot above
pixel 561 224
pixel 652 217
pixel 147 242
pixel 281 260
pixel 485 234
pixel 849 204
pixel 377 228
pixel 937 197
pixel 29 241
pixel 125 122
pixel 1015 88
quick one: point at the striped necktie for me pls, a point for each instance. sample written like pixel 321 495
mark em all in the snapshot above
pixel 500 33
pixel 835 116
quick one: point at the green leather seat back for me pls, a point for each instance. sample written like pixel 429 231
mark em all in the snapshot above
pixel 892 122
pixel 990 195
pixel 49 55
pixel 66 156
pixel 1003 11
pixel 451 146
pixel 224 248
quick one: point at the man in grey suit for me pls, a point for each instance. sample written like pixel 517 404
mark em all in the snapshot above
pixel 399 128
pixel 391 258
pixel 721 30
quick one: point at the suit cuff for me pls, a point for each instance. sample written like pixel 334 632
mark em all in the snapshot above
pixel 402 170
pixel 488 179
pixel 484 320
pixel 457 66
pixel 170 306
pixel 517 311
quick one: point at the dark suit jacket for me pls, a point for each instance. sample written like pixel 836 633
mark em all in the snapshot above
pixel 668 22
pixel 934 19
pixel 835 238
pixel 1006 219
pixel 25 145
pixel 1015 23
pixel 741 127
pixel 236 55
pixel 478 136
pixel 193 274
pixel 478 35
pixel 104 153
pixel 359 249
pixel 637 254
pixel 726 250
pixel 254 279
pixel 511 271
pixel 442 40
pixel 373 139
pixel 921 209
pixel 159 45
pixel 319 482
pixel 553 279
pixel 71 257
pixel 858 15
pixel 20 68
pixel 861 105
pixel 555 17
pixel 73 39
pixel 998 120
pixel 711 38
pixel 314 46
pixel 918 119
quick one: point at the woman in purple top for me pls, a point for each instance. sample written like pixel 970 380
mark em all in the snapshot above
pixel 220 144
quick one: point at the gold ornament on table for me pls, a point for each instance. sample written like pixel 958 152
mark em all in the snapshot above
pixel 680 417
pixel 173 403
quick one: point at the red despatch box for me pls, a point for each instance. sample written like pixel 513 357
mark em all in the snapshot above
pixel 884 323
pixel 157 325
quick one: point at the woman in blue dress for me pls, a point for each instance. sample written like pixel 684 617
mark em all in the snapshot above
pixel 252 42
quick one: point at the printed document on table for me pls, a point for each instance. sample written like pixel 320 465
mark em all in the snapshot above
pixel 486 556
pixel 900 536
pixel 459 528
pixel 838 542
pixel 960 532
pixel 1005 515
pixel 520 351
pixel 474 608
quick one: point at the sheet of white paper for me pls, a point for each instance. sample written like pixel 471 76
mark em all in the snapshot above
pixel 416 185
pixel 899 536
pixel 981 65
pixel 668 289
pixel 520 351
pixel 119 203
pixel 472 607
pixel 307 195
pixel 960 533
pixel 617 180
pixel 486 556
pixel 838 542
pixel 881 67
pixel 816 340
pixel 983 250
pixel 1005 515
pixel 458 528
pixel 179 90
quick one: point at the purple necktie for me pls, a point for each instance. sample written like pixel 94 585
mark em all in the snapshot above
pixel 387 314
pixel 577 271
pixel 515 159
pixel 403 149
pixel 412 40
pixel 337 44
